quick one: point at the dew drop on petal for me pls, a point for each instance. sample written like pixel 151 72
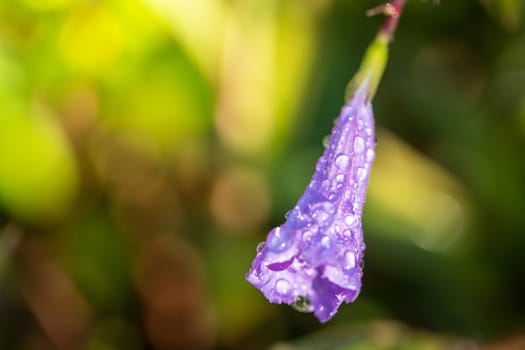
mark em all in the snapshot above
pixel 349 262
pixel 326 141
pixel 329 207
pixel 322 217
pixel 260 247
pixel 307 236
pixel 349 220
pixel 321 164
pixel 282 286
pixel 277 241
pixel 361 174
pixel 342 161
pixel 340 178
pixel 361 264
pixel 359 144
pixel 370 155
pixel 302 304
pixel 323 212
pixel 325 242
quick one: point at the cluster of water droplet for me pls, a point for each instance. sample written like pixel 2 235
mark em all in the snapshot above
pixel 323 213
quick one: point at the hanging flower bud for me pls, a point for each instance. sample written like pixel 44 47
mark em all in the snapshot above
pixel 314 260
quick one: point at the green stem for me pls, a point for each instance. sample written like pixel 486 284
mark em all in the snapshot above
pixel 376 55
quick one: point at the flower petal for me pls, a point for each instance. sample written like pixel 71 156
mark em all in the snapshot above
pixel 313 260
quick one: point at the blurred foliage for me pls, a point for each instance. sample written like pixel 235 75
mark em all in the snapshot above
pixel 146 146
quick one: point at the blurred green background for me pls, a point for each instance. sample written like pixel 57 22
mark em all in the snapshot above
pixel 147 146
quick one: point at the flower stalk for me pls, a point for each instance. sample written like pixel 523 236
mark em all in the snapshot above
pixel 376 55
pixel 392 10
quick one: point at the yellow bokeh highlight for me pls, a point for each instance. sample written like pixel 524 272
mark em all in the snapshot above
pixel 267 57
pixel 162 116
pixel 408 186
pixel 245 110
pixel 38 171
pixel 91 39
pixel 197 26
pixel 48 5
pixel 296 45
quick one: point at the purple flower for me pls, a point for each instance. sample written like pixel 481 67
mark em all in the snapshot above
pixel 314 260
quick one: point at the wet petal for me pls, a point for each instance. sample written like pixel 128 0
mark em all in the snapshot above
pixel 316 255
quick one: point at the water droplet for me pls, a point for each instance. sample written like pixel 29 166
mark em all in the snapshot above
pixel 302 304
pixel 282 286
pixel 376 141
pixel 321 164
pixel 323 206
pixel 349 260
pixel 369 131
pixel 260 247
pixel 326 141
pixel 359 144
pixel 340 178
pixel 325 242
pixel 361 264
pixel 361 174
pixel 323 212
pixel 370 155
pixel 322 217
pixel 349 220
pixel 332 197
pixel 342 161
pixel 307 236
pixel 287 214
pixel 325 185
pixel 277 240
